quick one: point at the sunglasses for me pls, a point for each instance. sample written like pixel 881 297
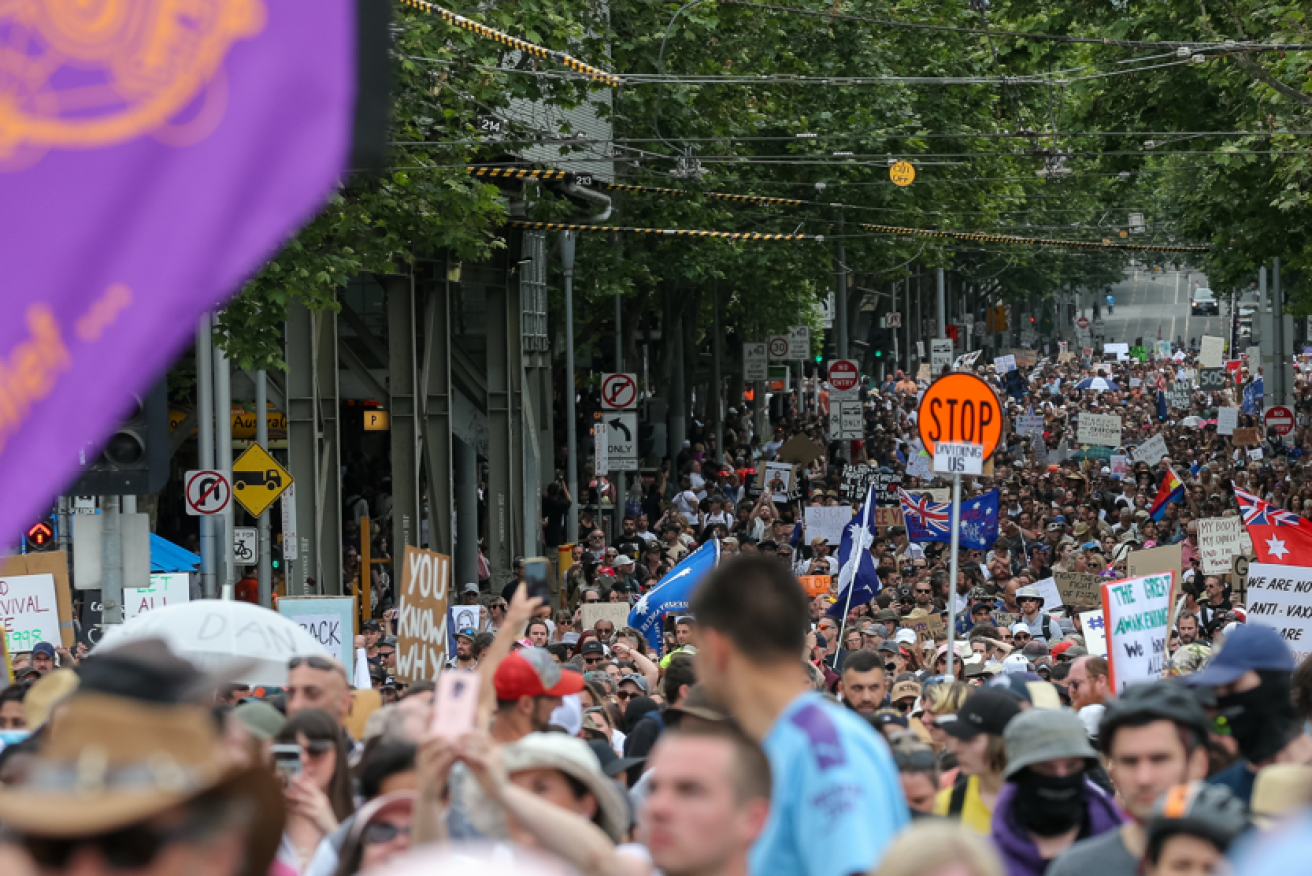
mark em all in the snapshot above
pixel 314 661
pixel 590 661
pixel 384 832
pixel 627 695
pixel 1023 637
pixel 914 760
pixel 923 592
pixel 131 848
pixel 904 706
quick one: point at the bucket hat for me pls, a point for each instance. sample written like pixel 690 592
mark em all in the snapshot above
pixel 1045 734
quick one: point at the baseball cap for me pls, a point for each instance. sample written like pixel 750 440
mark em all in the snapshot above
pixel 1015 663
pixel 623 560
pixel 466 633
pixel 592 646
pixel 1061 648
pixel 906 637
pixel 531 672
pixel 44 648
pixel 884 717
pixel 471 588
pixel 904 689
pixel 259 718
pixel 1251 647
pixel 636 679
pixel 1020 627
pixel 986 711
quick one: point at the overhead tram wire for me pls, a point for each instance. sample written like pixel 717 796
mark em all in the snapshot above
pixel 1225 46
pixel 567 60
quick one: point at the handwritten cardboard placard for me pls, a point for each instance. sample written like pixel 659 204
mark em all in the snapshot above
pixel 888 517
pixel 421 633
pixel 1100 429
pixel 1246 436
pixel 615 612
pixel 929 628
pixel 1077 588
pixel 1154 561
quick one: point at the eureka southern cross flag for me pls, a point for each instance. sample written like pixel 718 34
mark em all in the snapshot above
pixel 673 591
pixel 152 157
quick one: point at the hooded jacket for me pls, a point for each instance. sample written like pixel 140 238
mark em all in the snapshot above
pixel 1020 854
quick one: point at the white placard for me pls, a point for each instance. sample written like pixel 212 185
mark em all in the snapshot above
pixel 779 480
pixel 29 611
pixel 1030 424
pixel 1138 614
pixel 1121 351
pixel 1051 597
pixel 1211 352
pixel 468 617
pixel 1005 363
pixel 1255 454
pixel 326 629
pixel 756 362
pixel 1227 420
pixel 1095 632
pixel 958 459
pixel 165 589
pixel 918 467
pixel 1135 382
pixel 1151 451
pixel 1100 429
pixel 827 523
pixel 1280 597
pixel 1220 539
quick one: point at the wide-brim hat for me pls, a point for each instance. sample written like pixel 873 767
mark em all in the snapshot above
pixel 109 762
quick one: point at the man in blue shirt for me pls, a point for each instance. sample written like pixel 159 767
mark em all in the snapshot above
pixel 837 799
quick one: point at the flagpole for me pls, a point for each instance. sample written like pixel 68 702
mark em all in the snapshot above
pixel 952 571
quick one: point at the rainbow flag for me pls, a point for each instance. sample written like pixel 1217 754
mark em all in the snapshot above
pixel 1171 490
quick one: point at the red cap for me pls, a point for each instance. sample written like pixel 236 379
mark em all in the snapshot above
pixel 530 672
pixel 1061 649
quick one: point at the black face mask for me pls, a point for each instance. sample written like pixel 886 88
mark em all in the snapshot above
pixel 1261 720
pixel 1049 805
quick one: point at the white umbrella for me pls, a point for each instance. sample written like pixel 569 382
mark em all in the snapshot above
pixel 1097 384
pixel 217 634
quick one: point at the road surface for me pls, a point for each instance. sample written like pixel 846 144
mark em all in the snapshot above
pixel 1150 306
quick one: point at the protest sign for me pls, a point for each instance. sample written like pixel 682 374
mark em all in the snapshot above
pixel 884 482
pixel 421 632
pixel 1246 436
pixel 1227 420
pixel 827 522
pixel 1137 612
pixel 1154 561
pixel 1004 363
pixel 888 517
pixel 330 621
pixel 918 466
pixel 777 480
pixel 36 611
pixel 1004 618
pixel 1078 588
pixel 815 585
pixel 1030 424
pixel 474 617
pixel 1179 396
pixel 1211 379
pixel 856 481
pixel 164 590
pixel 1102 429
pixel 28 611
pixel 1211 351
pixel 1121 351
pixel 1136 382
pixel 924 372
pixel 1067 356
pixel 1219 540
pixel 1047 588
pixel 1238 576
pixel 1119 464
pixel 1151 451
pixel 1025 358
pixel 1139 354
pixel 928 628
pixel 1095 632
pixel 1280 597
pixel 1255 454
pixel 799 450
pixel 615 612
pixel 364 703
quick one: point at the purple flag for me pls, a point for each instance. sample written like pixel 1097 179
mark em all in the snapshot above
pixel 152 156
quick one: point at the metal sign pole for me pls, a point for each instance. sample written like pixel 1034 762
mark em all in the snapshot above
pixel 952 571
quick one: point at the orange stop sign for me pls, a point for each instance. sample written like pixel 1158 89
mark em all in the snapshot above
pixel 960 409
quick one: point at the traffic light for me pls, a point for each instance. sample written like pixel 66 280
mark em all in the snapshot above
pixel 879 339
pixel 41 537
pixel 134 461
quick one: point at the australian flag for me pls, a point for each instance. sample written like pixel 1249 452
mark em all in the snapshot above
pixel 1252 403
pixel 673 591
pixel 858 582
pixel 932 521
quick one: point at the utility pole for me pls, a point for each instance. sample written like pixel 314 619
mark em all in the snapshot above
pixel 717 375
pixel 571 417
pixel 223 460
pixel 111 561
pixel 205 446
pixel 620 476
pixel 942 307
pixel 840 294
pixel 265 573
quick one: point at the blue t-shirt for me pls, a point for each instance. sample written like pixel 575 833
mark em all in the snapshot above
pixel 837 800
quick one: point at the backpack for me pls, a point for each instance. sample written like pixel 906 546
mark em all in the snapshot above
pixel 957 801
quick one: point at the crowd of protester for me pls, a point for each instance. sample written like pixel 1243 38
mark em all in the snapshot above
pixel 765 731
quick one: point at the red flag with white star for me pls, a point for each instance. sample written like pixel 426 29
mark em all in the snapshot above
pixel 1278 536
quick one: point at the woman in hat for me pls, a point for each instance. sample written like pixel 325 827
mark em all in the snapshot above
pixel 319 793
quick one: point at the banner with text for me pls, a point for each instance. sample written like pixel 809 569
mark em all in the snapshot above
pixel 1280 597
pixel 330 621
pixel 1137 613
